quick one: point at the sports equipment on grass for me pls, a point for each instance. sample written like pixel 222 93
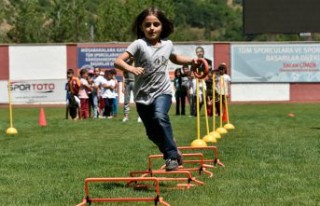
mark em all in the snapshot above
pixel 11 130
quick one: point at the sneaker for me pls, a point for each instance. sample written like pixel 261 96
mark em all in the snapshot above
pixel 110 117
pixel 125 119
pixel 139 120
pixel 102 117
pixel 171 165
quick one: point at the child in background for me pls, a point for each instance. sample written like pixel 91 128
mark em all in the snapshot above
pixel 180 94
pixel 115 92
pixel 185 76
pixel 97 80
pixel 101 100
pixel 73 102
pixel 152 91
pixel 201 88
pixel 83 94
pixel 190 94
pixel 128 86
pixel 107 93
pixel 223 87
pixel 209 94
pixel 90 92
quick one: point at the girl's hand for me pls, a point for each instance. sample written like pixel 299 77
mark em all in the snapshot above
pixel 195 63
pixel 200 68
pixel 136 70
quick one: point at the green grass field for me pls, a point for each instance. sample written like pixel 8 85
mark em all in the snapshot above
pixel 270 158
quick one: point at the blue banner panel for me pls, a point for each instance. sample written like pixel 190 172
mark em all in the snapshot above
pixel 102 57
pixel 275 62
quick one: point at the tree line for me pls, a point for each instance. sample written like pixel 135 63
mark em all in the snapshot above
pixel 61 21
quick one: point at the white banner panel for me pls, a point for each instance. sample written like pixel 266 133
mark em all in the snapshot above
pixel 35 91
pixel 37 62
pixel 4 92
pixel 260 92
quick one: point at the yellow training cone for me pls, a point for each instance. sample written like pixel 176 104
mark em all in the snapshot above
pixel 11 131
pixel 229 126
pixel 222 130
pixel 198 143
pixel 215 134
pixel 209 138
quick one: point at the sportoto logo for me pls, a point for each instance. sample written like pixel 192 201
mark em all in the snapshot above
pixel 34 87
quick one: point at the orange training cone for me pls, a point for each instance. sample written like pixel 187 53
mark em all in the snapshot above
pixel 42 118
pixel 224 116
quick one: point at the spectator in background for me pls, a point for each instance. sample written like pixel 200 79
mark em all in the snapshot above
pixel 191 94
pixel 115 91
pixel 101 100
pixel 96 91
pixel 200 54
pixel 185 78
pixel 83 94
pixel 90 92
pixel 209 94
pixel 73 102
pixel 128 86
pixel 108 86
pixel 223 85
pixel 202 87
pixel 180 94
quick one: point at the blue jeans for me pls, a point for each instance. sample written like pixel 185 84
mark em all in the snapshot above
pixel 108 108
pixel 115 106
pixel 158 127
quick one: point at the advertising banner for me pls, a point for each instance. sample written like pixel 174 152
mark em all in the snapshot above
pixel 275 62
pixel 189 50
pixel 102 57
pixel 36 91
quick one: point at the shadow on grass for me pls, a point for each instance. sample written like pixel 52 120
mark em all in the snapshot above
pixel 315 128
pixel 110 186
pixel 114 186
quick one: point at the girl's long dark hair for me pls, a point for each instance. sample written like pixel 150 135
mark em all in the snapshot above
pixel 167 25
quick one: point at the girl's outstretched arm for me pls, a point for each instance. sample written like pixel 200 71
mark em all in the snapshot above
pixel 120 63
pixel 179 59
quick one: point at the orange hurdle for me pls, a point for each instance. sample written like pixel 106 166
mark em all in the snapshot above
pixel 200 169
pixel 189 178
pixel 215 160
pixel 157 199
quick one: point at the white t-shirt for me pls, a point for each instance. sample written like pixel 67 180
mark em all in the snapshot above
pixel 107 92
pixel 97 82
pixel 155 80
pixel 225 82
pixel 202 87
